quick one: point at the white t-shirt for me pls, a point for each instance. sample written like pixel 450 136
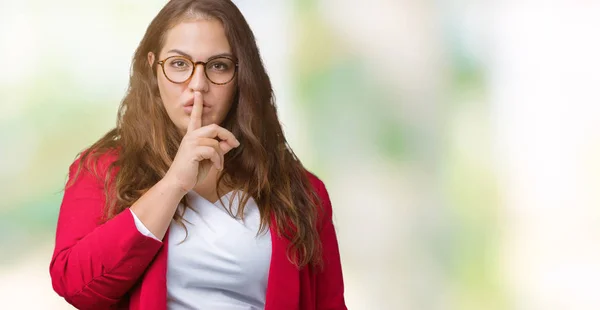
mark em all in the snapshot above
pixel 223 263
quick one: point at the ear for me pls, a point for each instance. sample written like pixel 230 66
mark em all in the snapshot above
pixel 151 59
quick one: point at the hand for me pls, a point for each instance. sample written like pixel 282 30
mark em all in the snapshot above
pixel 199 150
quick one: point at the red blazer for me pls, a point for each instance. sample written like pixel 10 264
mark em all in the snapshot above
pixel 114 266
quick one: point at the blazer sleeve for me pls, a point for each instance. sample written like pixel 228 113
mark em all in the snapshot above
pixel 94 265
pixel 329 279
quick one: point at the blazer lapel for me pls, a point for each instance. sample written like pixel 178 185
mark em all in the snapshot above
pixel 283 288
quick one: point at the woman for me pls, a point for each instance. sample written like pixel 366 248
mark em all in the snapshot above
pixel 195 200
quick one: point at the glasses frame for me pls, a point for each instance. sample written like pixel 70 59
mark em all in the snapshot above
pixel 203 63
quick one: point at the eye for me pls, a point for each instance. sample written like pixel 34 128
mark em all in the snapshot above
pixel 219 66
pixel 179 63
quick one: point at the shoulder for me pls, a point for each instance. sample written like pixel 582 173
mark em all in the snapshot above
pixel 94 162
pixel 321 191
pixel 315 181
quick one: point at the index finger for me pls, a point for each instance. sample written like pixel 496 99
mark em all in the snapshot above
pixel 196 115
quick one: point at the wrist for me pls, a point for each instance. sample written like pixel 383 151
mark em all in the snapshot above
pixel 172 185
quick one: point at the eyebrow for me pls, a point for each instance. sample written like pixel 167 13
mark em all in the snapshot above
pixel 190 57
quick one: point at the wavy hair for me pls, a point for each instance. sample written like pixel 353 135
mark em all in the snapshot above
pixel 264 167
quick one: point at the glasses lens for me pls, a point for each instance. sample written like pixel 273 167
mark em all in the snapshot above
pixel 178 69
pixel 220 70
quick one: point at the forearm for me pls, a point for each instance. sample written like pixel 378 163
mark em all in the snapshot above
pixel 155 209
pixel 102 266
pixel 94 265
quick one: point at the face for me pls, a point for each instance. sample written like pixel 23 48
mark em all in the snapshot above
pixel 199 40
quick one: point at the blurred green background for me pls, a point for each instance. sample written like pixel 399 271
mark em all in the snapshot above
pixel 459 140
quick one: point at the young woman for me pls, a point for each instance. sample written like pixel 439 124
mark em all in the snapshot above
pixel 195 200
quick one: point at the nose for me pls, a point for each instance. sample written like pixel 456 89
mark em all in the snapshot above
pixel 198 81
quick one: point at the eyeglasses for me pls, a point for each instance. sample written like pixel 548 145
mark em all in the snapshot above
pixel 219 70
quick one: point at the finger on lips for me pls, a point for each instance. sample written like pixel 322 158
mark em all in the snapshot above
pixel 221 139
pixel 196 115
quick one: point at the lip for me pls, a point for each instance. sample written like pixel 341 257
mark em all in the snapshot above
pixel 188 105
pixel 188 108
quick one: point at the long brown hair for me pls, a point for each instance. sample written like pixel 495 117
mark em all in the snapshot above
pixel 264 167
